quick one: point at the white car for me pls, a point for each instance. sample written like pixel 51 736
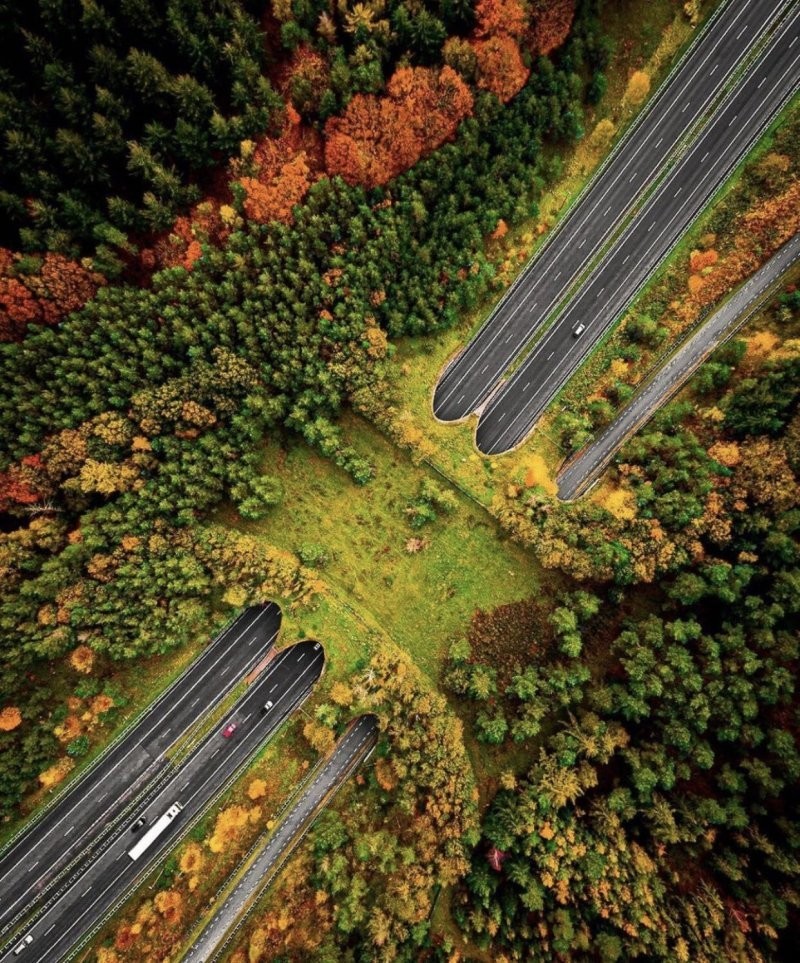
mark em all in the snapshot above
pixel 577 332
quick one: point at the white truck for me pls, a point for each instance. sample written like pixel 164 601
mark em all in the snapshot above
pixel 155 831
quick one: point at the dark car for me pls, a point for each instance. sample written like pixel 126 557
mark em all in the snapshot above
pixel 138 824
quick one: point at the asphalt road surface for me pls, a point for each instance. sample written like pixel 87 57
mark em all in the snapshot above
pixel 639 159
pixel 349 752
pixel 582 470
pixel 80 905
pixel 35 857
pixel 746 112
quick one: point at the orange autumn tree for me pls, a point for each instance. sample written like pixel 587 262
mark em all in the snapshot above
pixel 275 199
pixel 18 308
pixel 10 718
pixel 276 172
pixel 378 138
pixel 500 16
pixel 500 68
pixel 208 222
pixel 757 235
pixel 551 21
pixel 42 295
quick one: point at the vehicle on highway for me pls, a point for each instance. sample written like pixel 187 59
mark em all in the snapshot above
pixel 267 706
pixel 24 944
pixel 141 821
pixel 229 730
pixel 155 831
pixel 577 332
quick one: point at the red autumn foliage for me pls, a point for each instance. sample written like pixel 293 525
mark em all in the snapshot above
pixel 306 72
pixel 274 200
pixel 500 66
pixel 551 23
pixel 378 138
pixel 18 309
pixel 278 173
pixel 43 296
pixel 500 16
pixel 18 485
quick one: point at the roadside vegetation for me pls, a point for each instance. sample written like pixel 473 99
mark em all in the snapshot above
pixel 754 214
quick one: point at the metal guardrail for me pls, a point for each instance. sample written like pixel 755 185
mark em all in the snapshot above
pixel 123 733
pixel 565 213
pixel 750 308
pixel 647 190
pixel 174 843
pixel 772 114
pixel 274 870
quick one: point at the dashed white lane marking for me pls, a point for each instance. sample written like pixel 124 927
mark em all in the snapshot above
pixel 641 409
pixel 693 72
pixel 511 441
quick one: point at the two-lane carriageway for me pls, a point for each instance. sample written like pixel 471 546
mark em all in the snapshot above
pixel 258 871
pixel 634 166
pixel 584 468
pixel 78 907
pixel 33 859
pixel 753 103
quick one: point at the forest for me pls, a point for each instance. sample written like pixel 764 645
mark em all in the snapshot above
pixel 658 819
pixel 221 223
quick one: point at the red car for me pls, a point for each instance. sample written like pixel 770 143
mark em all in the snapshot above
pixel 229 730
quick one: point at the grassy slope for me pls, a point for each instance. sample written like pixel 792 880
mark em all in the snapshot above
pixel 373 590
pixel 422 601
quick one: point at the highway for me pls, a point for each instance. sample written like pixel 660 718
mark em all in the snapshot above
pixel 80 904
pixel 583 469
pixel 746 112
pixel 60 834
pixel 639 159
pixel 256 873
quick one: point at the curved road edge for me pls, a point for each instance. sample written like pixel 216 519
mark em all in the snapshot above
pixel 583 469
pixel 69 915
pixel 506 334
pixel 745 116
pixel 135 757
pixel 266 857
